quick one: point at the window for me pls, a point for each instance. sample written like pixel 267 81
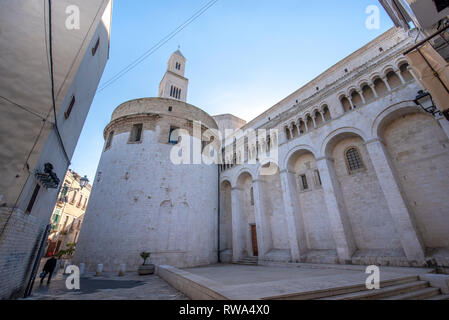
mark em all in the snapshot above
pixel 33 199
pixel 178 66
pixel 69 109
pixel 136 133
pixel 79 201
pixel 95 48
pixel 73 198
pixel 65 222
pixel 170 109
pixel 85 202
pixel 173 136
pixel 354 161
pixel 175 92
pixel 318 178
pixel 252 196
pixel 304 184
pixel 109 141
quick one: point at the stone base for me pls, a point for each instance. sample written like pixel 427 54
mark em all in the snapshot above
pixel 226 256
pixel 146 269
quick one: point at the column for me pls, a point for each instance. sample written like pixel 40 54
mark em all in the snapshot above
pixel 361 96
pixel 314 122
pixel 322 116
pixel 350 102
pixel 397 204
pixel 298 124
pixel 238 224
pixel 336 208
pixel 398 72
pixel 293 216
pixel 264 240
pixel 373 87
pixel 386 83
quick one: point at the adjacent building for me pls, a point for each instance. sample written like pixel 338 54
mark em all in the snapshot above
pixel 144 201
pixel 53 54
pixel 68 214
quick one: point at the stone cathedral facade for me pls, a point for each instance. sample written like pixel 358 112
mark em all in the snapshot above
pixel 361 175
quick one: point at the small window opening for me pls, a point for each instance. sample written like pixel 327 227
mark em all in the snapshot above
pixel 33 199
pixel 318 178
pixel 136 133
pixel 354 160
pixel 252 196
pixel 69 109
pixel 109 141
pixel 304 183
pixel 95 48
pixel 174 135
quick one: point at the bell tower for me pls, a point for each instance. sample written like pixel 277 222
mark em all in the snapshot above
pixel 174 85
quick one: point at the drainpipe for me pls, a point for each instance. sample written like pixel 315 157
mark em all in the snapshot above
pixel 218 211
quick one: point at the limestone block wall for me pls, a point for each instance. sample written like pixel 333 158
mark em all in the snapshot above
pixel 19 243
pixel 141 201
pixel 392 209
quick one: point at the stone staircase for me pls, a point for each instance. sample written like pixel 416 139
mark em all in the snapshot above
pixel 410 288
pixel 248 261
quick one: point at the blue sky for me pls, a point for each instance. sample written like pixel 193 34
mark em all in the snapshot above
pixel 243 55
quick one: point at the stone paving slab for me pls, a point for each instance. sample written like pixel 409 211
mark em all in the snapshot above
pixel 262 282
pixel 108 287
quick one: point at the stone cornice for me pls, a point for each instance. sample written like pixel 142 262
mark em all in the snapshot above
pixel 330 89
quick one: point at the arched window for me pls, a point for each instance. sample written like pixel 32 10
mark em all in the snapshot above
pixel 353 160
pixel 252 196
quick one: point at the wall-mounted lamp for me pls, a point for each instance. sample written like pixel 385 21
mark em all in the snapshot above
pixel 425 101
pixel 83 182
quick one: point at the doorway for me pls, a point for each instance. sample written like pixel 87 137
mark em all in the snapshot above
pixel 254 240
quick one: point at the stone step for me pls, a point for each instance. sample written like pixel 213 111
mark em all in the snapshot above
pixel 333 293
pixel 440 297
pixel 247 262
pixel 383 292
pixel 416 295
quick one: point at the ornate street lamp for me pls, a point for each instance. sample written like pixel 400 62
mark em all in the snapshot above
pixel 425 101
pixel 83 182
pixel 66 188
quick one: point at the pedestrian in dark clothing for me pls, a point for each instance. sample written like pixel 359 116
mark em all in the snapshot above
pixel 49 267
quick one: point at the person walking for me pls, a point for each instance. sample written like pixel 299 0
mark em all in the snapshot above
pixel 49 267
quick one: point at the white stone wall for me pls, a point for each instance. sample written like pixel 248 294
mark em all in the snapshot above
pixel 142 202
pixel 77 72
pixel 392 212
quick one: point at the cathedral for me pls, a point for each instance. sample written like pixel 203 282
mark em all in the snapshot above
pixel 360 175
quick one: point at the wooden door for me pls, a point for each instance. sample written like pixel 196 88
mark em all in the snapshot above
pixel 254 240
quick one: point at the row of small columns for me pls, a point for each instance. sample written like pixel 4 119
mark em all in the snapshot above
pixel 373 88
pixel 298 123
